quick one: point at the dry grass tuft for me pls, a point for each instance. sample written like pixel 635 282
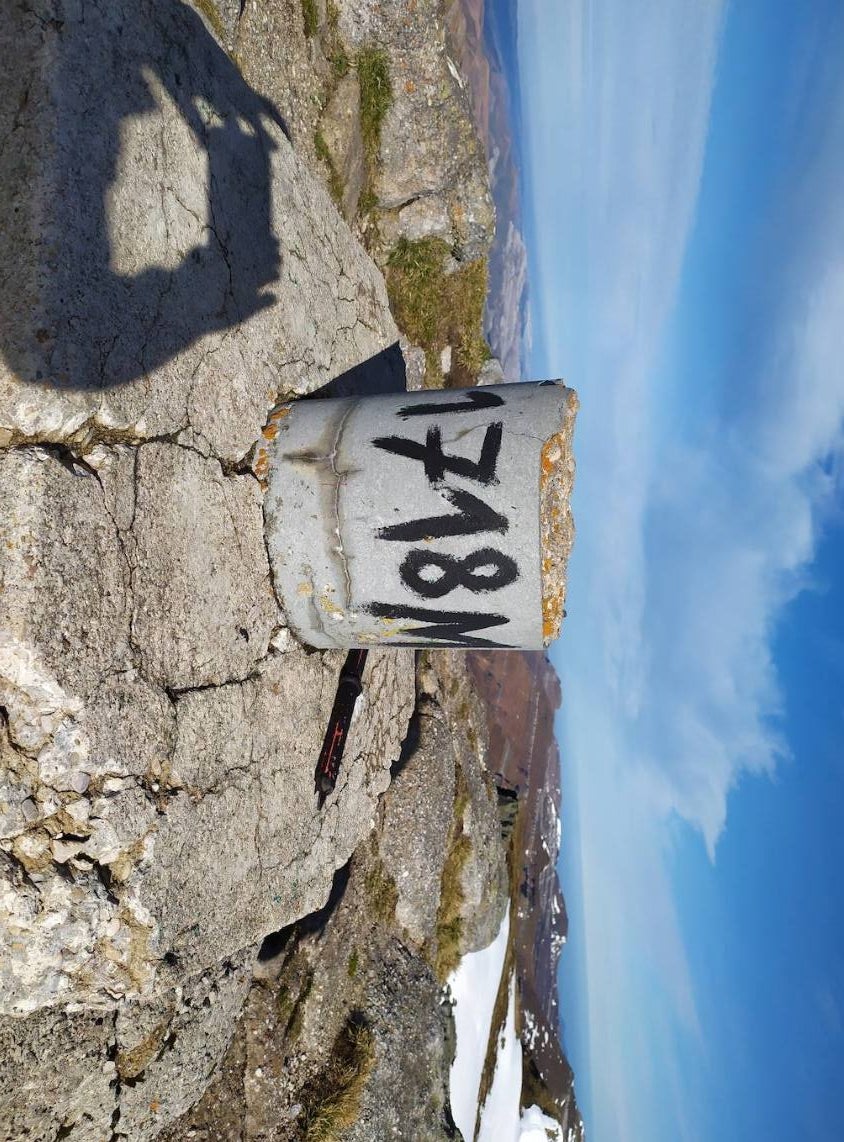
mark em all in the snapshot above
pixel 382 891
pixel 331 1104
pixel 335 182
pixel 376 97
pixel 209 11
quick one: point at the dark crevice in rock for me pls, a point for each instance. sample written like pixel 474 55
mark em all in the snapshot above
pixel 16 871
pixel 115 1084
pixel 75 463
pixel 424 707
pixel 277 942
pixel 108 882
pixel 174 693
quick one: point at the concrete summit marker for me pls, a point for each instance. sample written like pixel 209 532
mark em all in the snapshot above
pixel 435 518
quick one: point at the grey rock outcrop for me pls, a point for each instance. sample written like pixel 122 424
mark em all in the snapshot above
pixel 367 962
pixel 431 177
pixel 165 278
pixel 413 841
pixel 341 132
pixel 347 970
pixel 176 268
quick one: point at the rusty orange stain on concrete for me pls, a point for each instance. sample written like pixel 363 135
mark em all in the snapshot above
pixel 270 429
pixel 553 583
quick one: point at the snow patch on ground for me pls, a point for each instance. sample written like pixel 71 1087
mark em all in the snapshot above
pixel 500 1113
pixel 538 1127
pixel 474 986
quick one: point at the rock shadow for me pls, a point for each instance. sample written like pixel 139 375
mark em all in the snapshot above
pixel 383 373
pixel 135 190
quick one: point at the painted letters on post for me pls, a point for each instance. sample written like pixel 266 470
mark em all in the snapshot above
pixel 434 573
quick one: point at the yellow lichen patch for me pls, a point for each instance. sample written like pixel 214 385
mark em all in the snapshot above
pixel 556 480
pixel 328 604
pixel 261 464
pixel 270 429
pixel 133 1061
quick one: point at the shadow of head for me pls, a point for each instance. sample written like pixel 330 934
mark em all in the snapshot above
pixel 135 190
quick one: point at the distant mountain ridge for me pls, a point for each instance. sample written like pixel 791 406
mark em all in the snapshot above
pixel 482 38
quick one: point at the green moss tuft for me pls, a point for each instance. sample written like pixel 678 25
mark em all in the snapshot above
pixel 382 891
pixel 335 182
pixel 310 15
pixel 449 930
pixel 209 11
pixel 376 97
pixel 435 308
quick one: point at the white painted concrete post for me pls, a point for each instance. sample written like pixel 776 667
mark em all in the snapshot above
pixel 414 519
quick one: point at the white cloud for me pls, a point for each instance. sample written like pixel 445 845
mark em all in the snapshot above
pixel 688 550
pixel 732 527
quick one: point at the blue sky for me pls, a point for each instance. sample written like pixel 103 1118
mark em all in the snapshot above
pixel 684 195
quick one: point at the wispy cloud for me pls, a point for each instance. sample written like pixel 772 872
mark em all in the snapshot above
pixel 689 545
pixel 618 130
pixel 733 519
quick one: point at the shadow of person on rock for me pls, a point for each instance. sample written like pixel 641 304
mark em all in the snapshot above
pixel 121 246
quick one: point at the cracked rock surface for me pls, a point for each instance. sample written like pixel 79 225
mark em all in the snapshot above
pixel 368 958
pixel 169 270
pixel 175 268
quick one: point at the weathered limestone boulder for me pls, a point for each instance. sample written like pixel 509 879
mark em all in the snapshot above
pixel 346 1009
pixel 339 978
pixel 341 132
pixel 432 175
pixel 168 269
pixel 414 838
pixel 483 875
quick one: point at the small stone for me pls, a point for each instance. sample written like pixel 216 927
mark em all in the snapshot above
pixel 63 851
pixel 31 846
pixel 79 810
pixel 281 641
pixel 491 373
pixel 103 844
pixel 50 804
pixel 29 809
pixel 79 781
pixel 415 364
pixel 445 360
